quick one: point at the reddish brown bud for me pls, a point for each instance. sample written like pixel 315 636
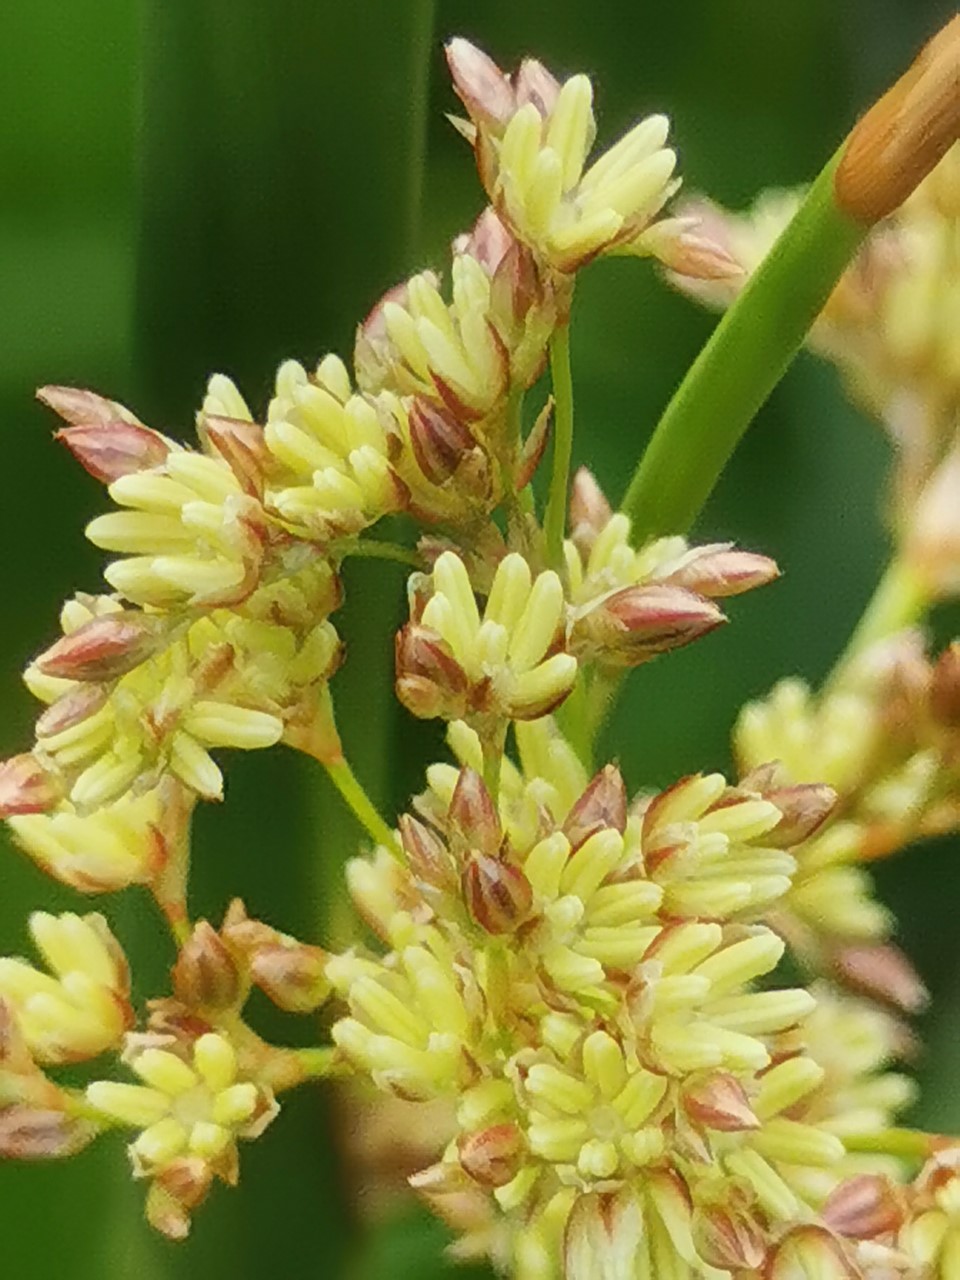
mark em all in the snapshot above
pixel 497 895
pixel 103 648
pixel 882 972
pixel 637 623
pixel 479 83
pixel 82 408
pixel 205 975
pixel 114 450
pixel 26 787
pixel 866 1206
pixel 589 509
pixel 682 246
pixel 439 440
pixel 240 443
pixel 533 447
pixel 806 1252
pixel 473 819
pixel 28 1133
pixel 430 681
pixel 720 1103
pixel 721 570
pixel 603 804
pixel 427 855
pixel 805 806
pixel 945 687
pixel 293 975
pixel 488 241
pixel 492 1156
pixel 729 1241
pixel 174 1191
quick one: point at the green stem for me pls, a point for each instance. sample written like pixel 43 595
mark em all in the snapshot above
pixel 556 513
pixel 908 1144
pixel 493 749
pixel 371 549
pixel 363 808
pixel 574 719
pixel 746 356
pixel 899 601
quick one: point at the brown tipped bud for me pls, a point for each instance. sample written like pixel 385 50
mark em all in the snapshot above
pixel 427 855
pixel 81 408
pixel 439 440
pixel 882 972
pixel 945 687
pixel 114 450
pixel 720 1103
pixel 430 681
pixel 721 570
pixel 73 708
pixel 492 1156
pixel 479 83
pixel 603 804
pixel 241 445
pixel 603 1236
pixel 497 895
pixel 474 822
pixel 293 975
pixel 903 136
pixel 637 623
pixel 865 1207
pixel 29 1133
pixel 533 447
pixel 26 787
pixel 488 241
pixel 103 648
pixel 205 975
pixel 805 807
pixel 589 510
pixel 806 1252
pixel 729 1240
pixel 174 1192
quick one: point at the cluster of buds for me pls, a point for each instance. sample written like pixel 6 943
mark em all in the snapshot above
pixel 883 734
pixel 578 975
pixel 532 136
pixel 891 323
pixel 629 605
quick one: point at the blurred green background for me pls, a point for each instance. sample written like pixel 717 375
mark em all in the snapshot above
pixel 216 184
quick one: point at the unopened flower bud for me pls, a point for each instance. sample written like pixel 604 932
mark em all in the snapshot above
pixel 479 83
pixel 103 648
pixel 720 1102
pixel 292 974
pixel 804 806
pixel 589 510
pixel 426 853
pixel 430 681
pixel 729 1241
pixel 682 246
pixel 809 1251
pixel 945 687
pixel 498 895
pixel 864 1207
pixel 440 441
pixel 30 1133
pixel 602 805
pixel 241 445
pixel 114 450
pixel 174 1192
pixel 882 972
pixel 205 975
pixel 473 819
pixel 603 1237
pixel 75 707
pixel 720 569
pixel 26 787
pixel 492 1156
pixel 637 623
pixel 532 452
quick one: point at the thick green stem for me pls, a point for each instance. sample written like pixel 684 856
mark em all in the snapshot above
pixel 745 358
pixel 350 788
pixel 899 601
pixel 556 513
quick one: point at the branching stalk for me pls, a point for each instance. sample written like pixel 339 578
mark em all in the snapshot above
pixel 555 517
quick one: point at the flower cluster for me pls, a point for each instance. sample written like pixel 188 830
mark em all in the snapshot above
pixel 584 982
